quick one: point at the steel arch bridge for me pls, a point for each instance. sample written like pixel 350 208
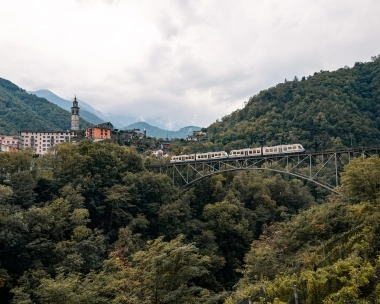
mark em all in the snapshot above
pixel 321 168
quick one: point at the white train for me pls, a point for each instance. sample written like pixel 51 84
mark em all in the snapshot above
pixel 247 152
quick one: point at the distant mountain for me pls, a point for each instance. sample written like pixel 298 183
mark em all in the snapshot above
pixel 21 110
pixel 152 131
pixel 87 112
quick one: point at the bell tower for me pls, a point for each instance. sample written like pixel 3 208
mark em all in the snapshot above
pixel 75 115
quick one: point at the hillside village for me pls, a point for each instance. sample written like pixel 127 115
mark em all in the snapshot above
pixel 42 140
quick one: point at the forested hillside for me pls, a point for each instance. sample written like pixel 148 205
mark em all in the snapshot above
pixel 326 110
pixel 327 254
pixel 88 224
pixel 96 212
pixel 20 110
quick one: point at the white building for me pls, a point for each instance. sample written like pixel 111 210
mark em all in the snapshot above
pixel 41 141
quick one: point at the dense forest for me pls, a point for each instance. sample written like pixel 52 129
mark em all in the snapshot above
pixel 20 110
pixel 89 224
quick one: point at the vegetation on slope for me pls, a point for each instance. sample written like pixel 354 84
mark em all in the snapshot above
pixel 323 111
pixel 329 252
pixel 91 214
pixel 89 224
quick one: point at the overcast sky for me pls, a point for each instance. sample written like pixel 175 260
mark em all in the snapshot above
pixel 178 63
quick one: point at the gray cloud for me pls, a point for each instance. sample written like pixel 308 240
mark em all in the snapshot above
pixel 179 63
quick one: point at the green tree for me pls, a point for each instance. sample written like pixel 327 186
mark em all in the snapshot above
pixel 23 185
pixel 361 178
pixel 166 271
pixel 118 204
pixel 233 235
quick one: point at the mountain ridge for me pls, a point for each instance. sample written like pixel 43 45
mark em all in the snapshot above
pixel 152 131
pixel 86 111
pixel 21 110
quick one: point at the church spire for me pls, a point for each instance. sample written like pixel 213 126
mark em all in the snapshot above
pixel 75 115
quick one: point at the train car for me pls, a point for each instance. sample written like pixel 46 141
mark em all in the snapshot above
pixel 199 156
pixel 245 152
pixel 212 155
pixel 283 149
pixel 180 158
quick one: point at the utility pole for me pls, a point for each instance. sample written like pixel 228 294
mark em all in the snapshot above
pixel 295 294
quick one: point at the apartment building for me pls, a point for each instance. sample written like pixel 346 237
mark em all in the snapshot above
pixel 101 131
pixel 41 141
pixel 9 143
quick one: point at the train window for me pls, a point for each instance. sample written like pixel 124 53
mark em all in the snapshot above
pixel 275 150
pixel 299 147
pixel 270 150
pixel 285 148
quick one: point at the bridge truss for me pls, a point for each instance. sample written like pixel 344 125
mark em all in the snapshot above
pixel 322 168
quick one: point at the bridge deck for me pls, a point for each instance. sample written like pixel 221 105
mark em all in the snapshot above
pixel 316 167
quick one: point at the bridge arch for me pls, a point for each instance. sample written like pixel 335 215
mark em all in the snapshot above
pixel 308 166
pixel 304 177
